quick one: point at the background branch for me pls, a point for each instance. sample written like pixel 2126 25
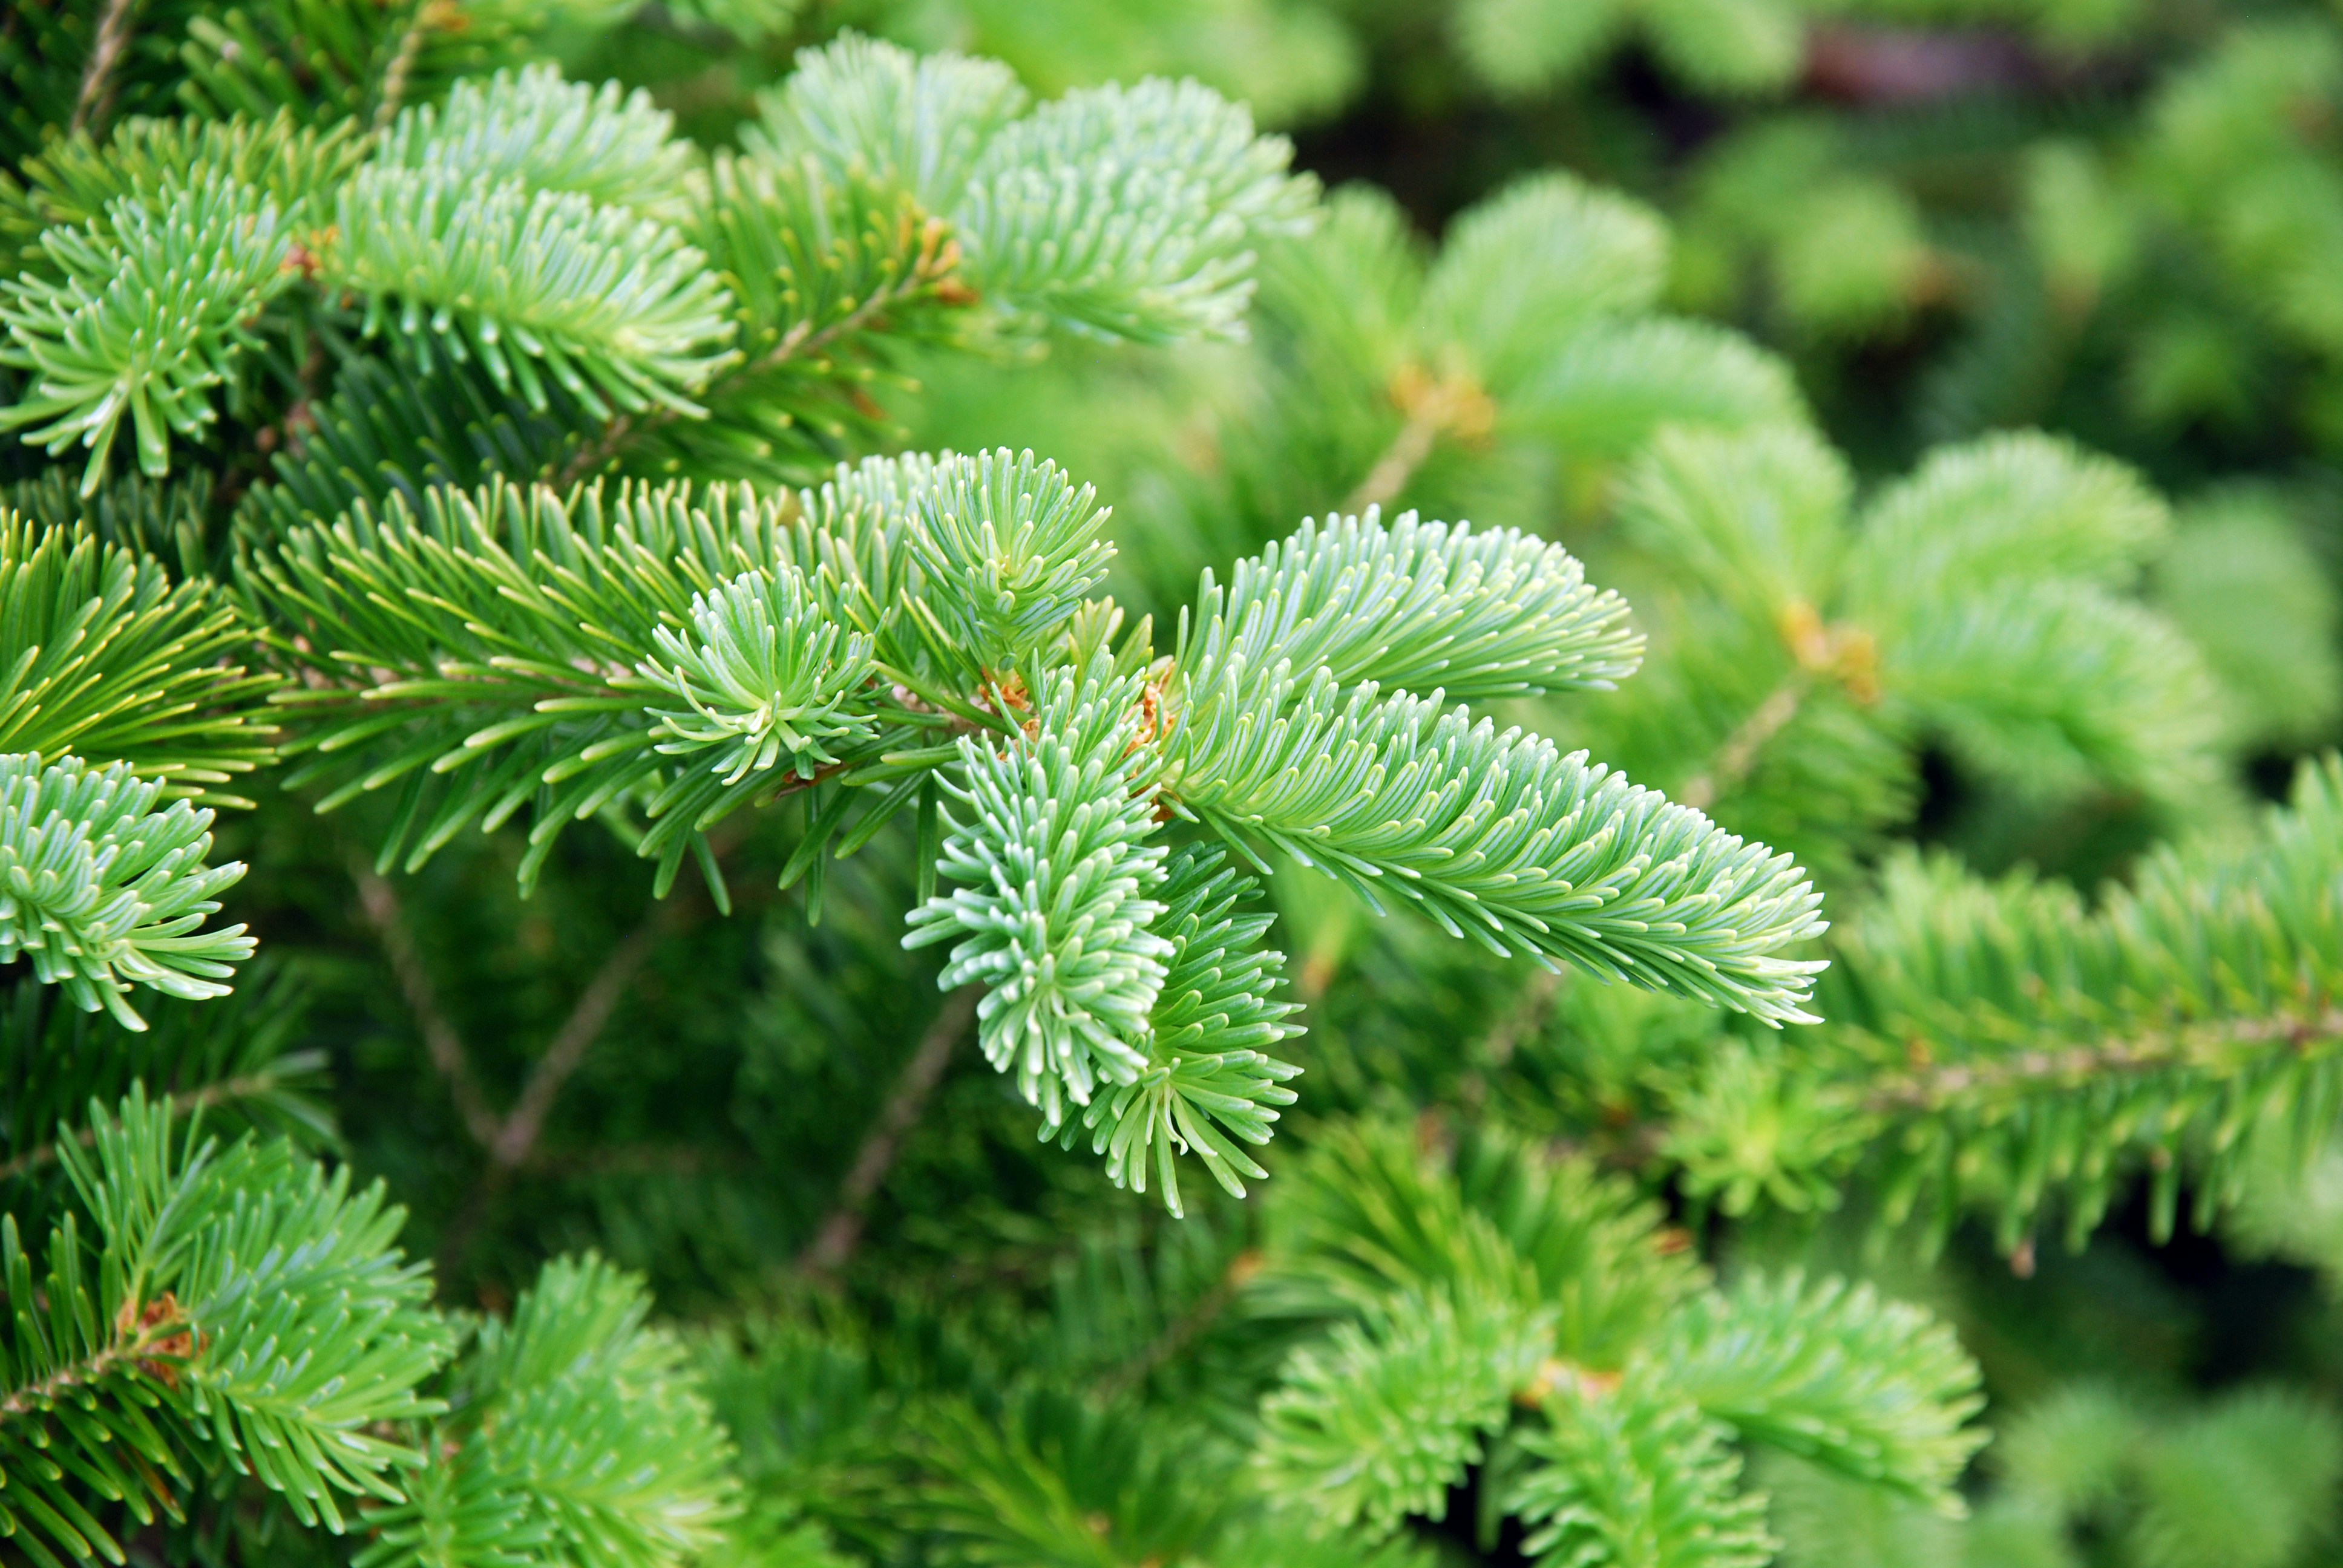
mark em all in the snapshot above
pixel 104 53
pixel 842 1230
pixel 244 1087
pixel 517 1137
pixel 380 905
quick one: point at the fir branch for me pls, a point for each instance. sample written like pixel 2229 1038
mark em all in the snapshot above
pixel 108 659
pixel 1384 1208
pixel 1634 1474
pixel 490 645
pixel 616 308
pixel 1464 822
pixel 76 180
pixel 1874 1388
pixel 1384 1417
pixel 802 341
pixel 2004 1045
pixel 131 1344
pixel 101 891
pixel 1468 1286
pixel 239 1310
pixel 1055 911
pixel 2215 1047
pixel 2021 653
pixel 1473 614
pixel 918 122
pixel 576 1435
pixel 1548 254
pixel 1208 1087
pixel 551 135
pixel 1124 213
pixel 149 312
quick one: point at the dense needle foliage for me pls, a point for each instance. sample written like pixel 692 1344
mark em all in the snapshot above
pixel 837 785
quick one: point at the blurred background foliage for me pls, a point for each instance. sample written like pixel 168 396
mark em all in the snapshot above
pixel 2115 218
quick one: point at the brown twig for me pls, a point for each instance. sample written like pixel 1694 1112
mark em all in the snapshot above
pixel 517 1139
pixel 1524 1019
pixel 796 342
pixel 104 53
pixel 1738 754
pixel 1398 464
pixel 446 1047
pixel 1185 1331
pixel 1452 405
pixel 1932 1088
pixel 1881 66
pixel 841 1229
pixel 509 1139
pixel 640 1160
pixel 427 16
pixel 1846 655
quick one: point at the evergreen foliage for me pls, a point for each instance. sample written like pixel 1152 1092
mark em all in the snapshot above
pixel 1504 377
pixel 235 1308
pixel 1504 1282
pixel 1986 604
pixel 2017 1048
pixel 429 427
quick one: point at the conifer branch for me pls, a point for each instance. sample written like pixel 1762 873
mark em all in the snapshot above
pixel 136 1333
pixel 2215 1047
pixel 683 655
pixel 2001 1044
pixel 802 341
pixel 368 325
pixel 1466 1285
pixel 238 1308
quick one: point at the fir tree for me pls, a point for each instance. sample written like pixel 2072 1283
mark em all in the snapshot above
pixel 486 510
